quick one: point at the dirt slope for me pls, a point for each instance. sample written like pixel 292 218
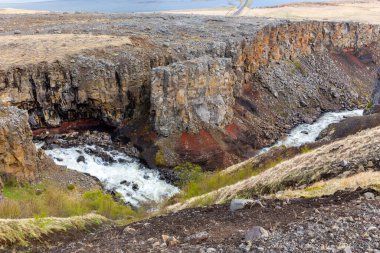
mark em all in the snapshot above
pixel 352 220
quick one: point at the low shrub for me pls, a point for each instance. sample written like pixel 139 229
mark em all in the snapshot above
pixel 207 182
pixel 188 172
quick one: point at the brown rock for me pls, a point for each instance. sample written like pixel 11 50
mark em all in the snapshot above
pixel 18 154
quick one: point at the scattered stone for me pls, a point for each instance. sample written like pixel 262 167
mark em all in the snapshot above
pixel 347 249
pixel 39 191
pixel 170 240
pixel 129 230
pixel 344 164
pixel 17 32
pixel 125 182
pixel 256 233
pixel 135 187
pixel 237 204
pixel 81 159
pixel 197 238
pixel 369 195
pixel 150 240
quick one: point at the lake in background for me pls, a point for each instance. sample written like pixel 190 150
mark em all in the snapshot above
pixel 130 5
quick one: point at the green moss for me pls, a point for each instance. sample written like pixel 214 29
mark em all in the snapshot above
pixel 298 67
pixel 159 159
pixel 313 189
pixel 370 104
pixel 70 187
pixel 306 149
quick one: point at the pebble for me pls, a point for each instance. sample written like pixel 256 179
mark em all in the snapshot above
pixel 197 238
pixel 170 240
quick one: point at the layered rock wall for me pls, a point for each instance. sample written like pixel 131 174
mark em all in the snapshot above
pixel 211 90
pixel 187 95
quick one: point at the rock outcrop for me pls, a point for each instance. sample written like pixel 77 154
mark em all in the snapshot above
pixel 209 90
pixel 374 106
pixel 18 154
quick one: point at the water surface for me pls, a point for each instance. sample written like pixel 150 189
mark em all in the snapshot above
pixel 131 5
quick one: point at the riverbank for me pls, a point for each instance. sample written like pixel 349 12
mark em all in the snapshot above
pixel 367 11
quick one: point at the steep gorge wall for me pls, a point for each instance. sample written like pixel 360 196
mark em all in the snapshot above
pixel 187 94
pixel 212 103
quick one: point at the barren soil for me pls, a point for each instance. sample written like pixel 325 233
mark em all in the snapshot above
pixel 24 49
pixel 300 221
pixel 367 11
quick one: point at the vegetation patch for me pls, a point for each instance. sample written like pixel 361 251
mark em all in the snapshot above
pixel 370 104
pixel 22 231
pixel 159 159
pixel 50 200
pixel 298 67
pixel 367 179
pixel 196 183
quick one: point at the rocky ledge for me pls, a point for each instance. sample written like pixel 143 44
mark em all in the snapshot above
pixel 210 90
pixel 21 161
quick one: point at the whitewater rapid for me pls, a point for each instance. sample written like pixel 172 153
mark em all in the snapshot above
pixel 126 176
pixel 308 133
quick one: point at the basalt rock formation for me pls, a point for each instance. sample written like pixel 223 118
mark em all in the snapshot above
pixel 210 90
pixel 18 155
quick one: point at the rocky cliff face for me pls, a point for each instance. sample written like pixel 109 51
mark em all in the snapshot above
pixel 18 155
pixel 206 90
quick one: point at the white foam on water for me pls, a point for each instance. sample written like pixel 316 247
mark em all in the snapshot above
pixel 150 186
pixel 308 133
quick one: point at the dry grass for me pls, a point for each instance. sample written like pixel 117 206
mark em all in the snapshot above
pixel 303 169
pixel 329 187
pixel 25 49
pixel 19 11
pixel 50 200
pixel 22 231
pixel 359 11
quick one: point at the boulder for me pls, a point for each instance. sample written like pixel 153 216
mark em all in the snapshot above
pixel 170 240
pixel 197 238
pixel 256 233
pixel 369 195
pixel 237 204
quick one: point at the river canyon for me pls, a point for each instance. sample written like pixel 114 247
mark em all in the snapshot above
pixel 124 100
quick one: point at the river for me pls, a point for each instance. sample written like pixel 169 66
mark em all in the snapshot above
pixel 137 184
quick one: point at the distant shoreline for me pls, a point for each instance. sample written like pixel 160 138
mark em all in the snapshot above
pixel 364 11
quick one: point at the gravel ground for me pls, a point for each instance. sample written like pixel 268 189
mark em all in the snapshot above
pixel 345 222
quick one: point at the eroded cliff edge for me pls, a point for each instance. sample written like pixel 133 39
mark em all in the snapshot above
pixel 209 90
